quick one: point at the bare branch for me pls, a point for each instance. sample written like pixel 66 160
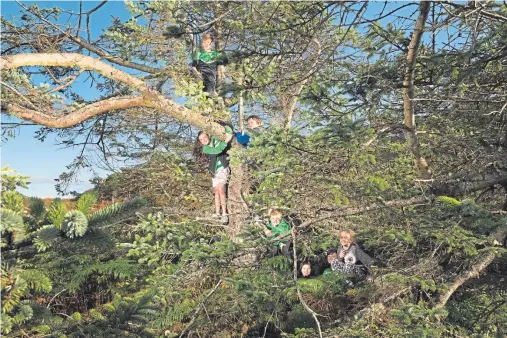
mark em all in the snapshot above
pixel 77 116
pixel 408 90
pixel 19 94
pixel 96 50
pixel 294 259
pixel 199 307
pixel 482 263
pixel 150 97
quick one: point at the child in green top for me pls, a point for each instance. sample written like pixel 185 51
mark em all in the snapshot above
pixel 205 63
pixel 215 151
pixel 278 226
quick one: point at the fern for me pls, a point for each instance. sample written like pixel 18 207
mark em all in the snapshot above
pixel 56 212
pixel 74 224
pixel 86 202
pixel 13 288
pixel 113 210
pixel 37 209
pixel 98 239
pixel 7 324
pixel 10 220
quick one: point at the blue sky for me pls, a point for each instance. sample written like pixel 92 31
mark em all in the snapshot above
pixel 45 161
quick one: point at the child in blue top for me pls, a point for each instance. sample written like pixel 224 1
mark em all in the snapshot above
pixel 254 126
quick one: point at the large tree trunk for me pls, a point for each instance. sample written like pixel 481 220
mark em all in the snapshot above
pixel 238 208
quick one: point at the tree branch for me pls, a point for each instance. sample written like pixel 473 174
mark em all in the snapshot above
pixel 408 91
pixel 77 116
pixel 294 256
pixel 150 97
pixel 92 48
pixel 482 263
pixel 199 307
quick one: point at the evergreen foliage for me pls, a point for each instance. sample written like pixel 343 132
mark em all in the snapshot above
pixel 37 209
pixel 86 202
pixel 331 80
pixel 56 212
pixel 12 200
pixel 75 224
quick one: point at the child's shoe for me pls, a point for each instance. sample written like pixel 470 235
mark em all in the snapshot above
pixel 215 216
pixel 224 219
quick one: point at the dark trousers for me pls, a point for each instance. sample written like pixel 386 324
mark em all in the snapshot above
pixel 286 250
pixel 209 76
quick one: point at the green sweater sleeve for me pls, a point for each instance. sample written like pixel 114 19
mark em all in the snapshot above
pixel 216 145
pixel 280 229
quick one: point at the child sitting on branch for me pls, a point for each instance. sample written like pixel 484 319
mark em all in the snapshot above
pixel 275 227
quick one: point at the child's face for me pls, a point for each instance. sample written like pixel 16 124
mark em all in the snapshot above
pixel 252 124
pixel 207 45
pixel 275 219
pixel 204 139
pixel 345 238
pixel 306 269
pixel 332 257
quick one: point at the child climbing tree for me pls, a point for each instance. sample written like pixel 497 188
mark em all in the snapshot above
pixel 214 151
pixel 205 62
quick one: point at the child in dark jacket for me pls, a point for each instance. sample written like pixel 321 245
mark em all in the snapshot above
pixel 205 63
pixel 348 255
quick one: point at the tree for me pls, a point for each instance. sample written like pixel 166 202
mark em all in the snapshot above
pixel 345 84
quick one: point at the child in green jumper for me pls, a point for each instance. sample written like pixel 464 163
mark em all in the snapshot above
pixel 278 226
pixel 216 152
pixel 205 63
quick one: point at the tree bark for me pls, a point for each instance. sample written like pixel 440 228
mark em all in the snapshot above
pixel 408 91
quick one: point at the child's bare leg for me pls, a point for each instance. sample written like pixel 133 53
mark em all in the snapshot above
pixel 216 191
pixel 223 199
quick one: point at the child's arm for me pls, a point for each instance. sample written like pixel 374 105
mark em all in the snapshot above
pixel 229 134
pixel 267 230
pixel 221 144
